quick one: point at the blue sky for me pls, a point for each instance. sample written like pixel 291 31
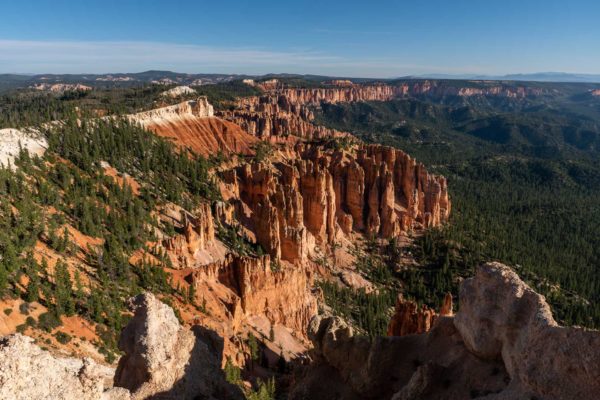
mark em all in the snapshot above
pixel 345 38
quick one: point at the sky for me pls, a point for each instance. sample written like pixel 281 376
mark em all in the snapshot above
pixel 343 38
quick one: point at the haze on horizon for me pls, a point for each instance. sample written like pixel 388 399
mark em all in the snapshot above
pixel 393 38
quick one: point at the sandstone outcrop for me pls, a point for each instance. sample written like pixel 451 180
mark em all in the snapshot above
pixel 320 194
pixel 280 293
pixel 60 87
pixel 164 360
pixel 192 124
pixel 272 116
pixel 30 373
pixel 500 316
pixel 13 140
pixel 435 365
pixel 441 89
pixel 409 318
pixel 502 344
pixel 286 111
pixel 196 245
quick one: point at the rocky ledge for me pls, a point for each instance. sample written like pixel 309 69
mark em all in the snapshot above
pixel 502 344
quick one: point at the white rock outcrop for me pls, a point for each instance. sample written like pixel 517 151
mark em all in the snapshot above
pixel 175 113
pixel 165 360
pixel 503 344
pixel 162 360
pixel 13 140
pixel 178 91
pixel 30 373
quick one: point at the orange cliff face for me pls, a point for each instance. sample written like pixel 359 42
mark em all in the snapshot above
pixel 232 292
pixel 442 89
pixel 282 112
pixel 193 124
pixel 321 195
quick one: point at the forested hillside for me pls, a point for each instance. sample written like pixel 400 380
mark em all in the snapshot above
pixel 29 107
pixel 69 187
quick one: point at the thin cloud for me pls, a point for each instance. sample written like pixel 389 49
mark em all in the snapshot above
pixel 97 56
pixel 127 56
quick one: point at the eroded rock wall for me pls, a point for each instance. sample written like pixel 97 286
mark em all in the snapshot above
pixel 319 194
pixel 162 359
pixel 29 373
pixel 192 124
pixel 285 111
pixel 500 316
pixel 279 292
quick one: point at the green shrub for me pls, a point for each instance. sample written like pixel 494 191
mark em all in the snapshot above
pixel 48 321
pixel 62 337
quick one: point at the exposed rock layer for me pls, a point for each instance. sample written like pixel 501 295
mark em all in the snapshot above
pixel 500 316
pixel 163 359
pixel 13 140
pixel 30 373
pixel 192 124
pixel 287 111
pixel 321 194
pixel 281 295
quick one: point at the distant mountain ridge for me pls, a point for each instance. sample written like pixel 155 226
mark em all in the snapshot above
pixel 538 76
pixel 19 81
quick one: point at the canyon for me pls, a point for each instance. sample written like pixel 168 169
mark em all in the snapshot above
pixel 283 111
pixel 294 198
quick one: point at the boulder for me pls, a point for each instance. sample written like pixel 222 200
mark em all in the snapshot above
pixel 29 373
pixel 164 359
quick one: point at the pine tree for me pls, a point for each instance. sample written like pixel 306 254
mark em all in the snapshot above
pixel 63 293
pixel 192 293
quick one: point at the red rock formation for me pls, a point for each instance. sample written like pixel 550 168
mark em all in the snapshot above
pixel 596 92
pixel 409 319
pixel 193 125
pixel 442 89
pixel 197 245
pixel 320 194
pixel 279 292
pixel 207 136
pixel 286 111
pixel 265 117
pixel 339 82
